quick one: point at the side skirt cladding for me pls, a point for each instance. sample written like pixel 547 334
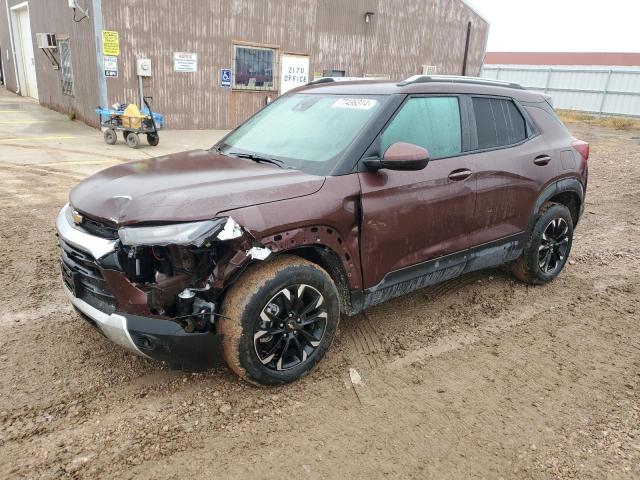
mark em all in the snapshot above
pixel 415 277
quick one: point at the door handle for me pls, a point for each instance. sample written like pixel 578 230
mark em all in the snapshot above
pixel 542 160
pixel 460 174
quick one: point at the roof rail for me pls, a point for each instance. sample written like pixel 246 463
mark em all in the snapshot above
pixel 322 80
pixel 342 79
pixel 457 79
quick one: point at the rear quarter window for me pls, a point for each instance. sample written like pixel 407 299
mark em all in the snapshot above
pixel 499 123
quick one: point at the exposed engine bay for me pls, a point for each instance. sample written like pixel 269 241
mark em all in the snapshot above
pixel 183 277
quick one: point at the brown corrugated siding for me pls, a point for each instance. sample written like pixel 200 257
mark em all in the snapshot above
pixel 403 36
pixel 563 58
pixel 55 16
pixel 5 44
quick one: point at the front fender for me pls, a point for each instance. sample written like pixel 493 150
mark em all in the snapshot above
pixel 329 218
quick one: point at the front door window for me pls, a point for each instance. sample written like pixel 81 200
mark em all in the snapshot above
pixel 430 122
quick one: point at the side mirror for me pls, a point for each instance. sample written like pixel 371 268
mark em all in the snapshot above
pixel 400 156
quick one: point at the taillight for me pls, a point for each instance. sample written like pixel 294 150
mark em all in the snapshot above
pixel 582 148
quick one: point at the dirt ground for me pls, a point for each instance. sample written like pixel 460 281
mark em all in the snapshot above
pixel 481 377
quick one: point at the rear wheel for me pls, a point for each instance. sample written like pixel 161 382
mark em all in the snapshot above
pixel 153 139
pixel 548 247
pixel 278 320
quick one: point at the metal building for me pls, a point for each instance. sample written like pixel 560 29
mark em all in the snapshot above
pixel 211 64
pixel 602 83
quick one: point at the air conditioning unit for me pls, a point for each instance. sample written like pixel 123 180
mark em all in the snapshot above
pixel 46 40
pixel 429 70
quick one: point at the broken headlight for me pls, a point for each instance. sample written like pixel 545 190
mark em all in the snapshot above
pixel 192 233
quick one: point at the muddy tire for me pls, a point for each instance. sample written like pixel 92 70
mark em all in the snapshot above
pixel 548 247
pixel 278 320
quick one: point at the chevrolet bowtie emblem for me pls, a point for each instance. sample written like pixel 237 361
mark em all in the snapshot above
pixel 76 217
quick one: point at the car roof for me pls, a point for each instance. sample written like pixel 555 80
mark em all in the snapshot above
pixel 425 84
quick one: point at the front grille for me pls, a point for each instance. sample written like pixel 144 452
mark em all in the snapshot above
pixel 82 276
pixel 99 229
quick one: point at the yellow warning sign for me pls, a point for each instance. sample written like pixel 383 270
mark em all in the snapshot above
pixel 110 43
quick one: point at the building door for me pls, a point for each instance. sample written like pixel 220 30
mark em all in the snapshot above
pixel 26 62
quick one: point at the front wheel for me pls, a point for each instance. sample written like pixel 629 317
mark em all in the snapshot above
pixel 110 136
pixel 548 247
pixel 278 320
pixel 133 140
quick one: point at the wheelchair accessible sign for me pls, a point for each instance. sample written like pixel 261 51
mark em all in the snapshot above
pixel 225 78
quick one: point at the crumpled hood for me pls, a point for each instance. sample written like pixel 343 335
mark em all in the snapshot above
pixel 188 186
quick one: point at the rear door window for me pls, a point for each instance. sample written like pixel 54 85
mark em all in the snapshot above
pixel 430 122
pixel 499 123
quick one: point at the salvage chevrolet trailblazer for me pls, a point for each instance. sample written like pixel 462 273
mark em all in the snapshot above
pixel 334 198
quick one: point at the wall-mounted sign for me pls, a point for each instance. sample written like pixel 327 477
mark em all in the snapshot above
pixel 110 43
pixel 225 78
pixel 295 72
pixel 185 62
pixel 111 67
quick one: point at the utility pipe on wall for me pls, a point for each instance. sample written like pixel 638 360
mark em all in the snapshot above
pixel 13 48
pixel 466 50
pixel 97 31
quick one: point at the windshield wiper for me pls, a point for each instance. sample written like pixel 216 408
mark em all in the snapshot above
pixel 258 158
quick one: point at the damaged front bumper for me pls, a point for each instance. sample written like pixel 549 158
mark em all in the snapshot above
pixel 162 340
pixel 121 308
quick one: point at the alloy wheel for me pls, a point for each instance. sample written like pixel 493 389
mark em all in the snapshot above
pixel 291 327
pixel 553 246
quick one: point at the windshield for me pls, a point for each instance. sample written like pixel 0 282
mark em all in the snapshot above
pixel 304 131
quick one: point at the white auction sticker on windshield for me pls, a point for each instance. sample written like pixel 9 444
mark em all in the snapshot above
pixel 357 103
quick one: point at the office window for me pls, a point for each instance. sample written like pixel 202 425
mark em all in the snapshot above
pixel 65 66
pixel 333 73
pixel 255 68
pixel 498 122
pixel 430 122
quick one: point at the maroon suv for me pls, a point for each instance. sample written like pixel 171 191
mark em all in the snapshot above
pixel 333 198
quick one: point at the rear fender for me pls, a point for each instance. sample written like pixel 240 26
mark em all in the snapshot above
pixel 572 185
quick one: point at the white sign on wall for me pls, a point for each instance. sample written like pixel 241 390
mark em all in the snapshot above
pixel 111 67
pixel 185 62
pixel 295 72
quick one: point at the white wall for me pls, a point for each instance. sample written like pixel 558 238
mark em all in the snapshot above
pixel 607 90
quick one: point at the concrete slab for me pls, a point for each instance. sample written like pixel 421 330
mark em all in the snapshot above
pixel 36 137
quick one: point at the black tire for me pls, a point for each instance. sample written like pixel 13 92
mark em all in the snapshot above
pixel 133 140
pixel 153 139
pixel 548 247
pixel 256 323
pixel 110 136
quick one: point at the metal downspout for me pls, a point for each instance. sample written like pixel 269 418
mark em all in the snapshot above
pixel 97 31
pixel 466 50
pixel 13 48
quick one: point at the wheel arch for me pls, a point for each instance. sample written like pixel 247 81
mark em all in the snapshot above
pixel 330 261
pixel 568 192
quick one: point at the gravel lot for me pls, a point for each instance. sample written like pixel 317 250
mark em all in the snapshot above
pixel 481 377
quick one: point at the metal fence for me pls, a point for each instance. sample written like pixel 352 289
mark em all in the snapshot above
pixel 607 91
